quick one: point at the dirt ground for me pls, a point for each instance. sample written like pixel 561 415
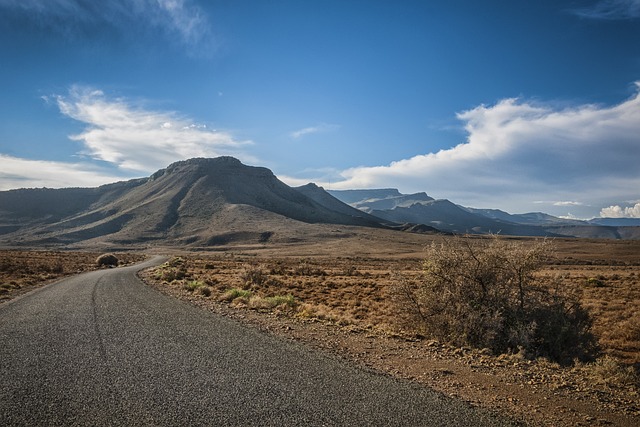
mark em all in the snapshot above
pixel 335 296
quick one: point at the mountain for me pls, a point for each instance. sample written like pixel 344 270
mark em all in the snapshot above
pixel 447 216
pixel 197 202
pixel 324 198
pixel 384 199
pixel 616 222
pixel 444 215
pixel 531 218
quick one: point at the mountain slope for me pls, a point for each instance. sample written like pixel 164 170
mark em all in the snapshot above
pixel 370 200
pixel 197 201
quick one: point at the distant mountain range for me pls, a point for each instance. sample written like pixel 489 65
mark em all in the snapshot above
pixel 210 202
pixel 444 215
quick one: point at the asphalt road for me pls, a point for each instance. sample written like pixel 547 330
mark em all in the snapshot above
pixel 101 348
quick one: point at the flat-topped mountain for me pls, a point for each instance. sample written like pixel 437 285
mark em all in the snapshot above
pixel 192 202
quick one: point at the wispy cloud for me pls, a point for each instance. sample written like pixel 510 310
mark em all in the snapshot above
pixel 121 140
pixel 517 152
pixel 611 10
pixel 134 138
pixel 617 211
pixel 323 127
pixel 180 20
pixel 568 203
pixel 25 173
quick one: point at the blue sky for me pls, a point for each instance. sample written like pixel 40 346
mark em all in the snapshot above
pixel 511 104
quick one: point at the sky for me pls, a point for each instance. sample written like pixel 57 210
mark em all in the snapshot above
pixel 519 105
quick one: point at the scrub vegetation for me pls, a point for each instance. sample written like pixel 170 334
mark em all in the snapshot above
pixel 23 271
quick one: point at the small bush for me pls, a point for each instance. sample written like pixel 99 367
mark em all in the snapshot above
pixel 595 282
pixel 306 269
pixel 107 260
pixel 253 276
pixel 282 300
pixel 607 370
pixel 485 294
pixel 193 285
pixel 235 293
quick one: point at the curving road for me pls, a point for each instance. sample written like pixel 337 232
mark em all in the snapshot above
pixel 101 348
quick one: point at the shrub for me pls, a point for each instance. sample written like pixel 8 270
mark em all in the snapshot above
pixel 282 300
pixel 306 269
pixel 193 285
pixel 253 276
pixel 235 293
pixel 485 293
pixel 612 373
pixel 107 260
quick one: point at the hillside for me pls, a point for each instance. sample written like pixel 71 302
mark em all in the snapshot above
pixel 197 202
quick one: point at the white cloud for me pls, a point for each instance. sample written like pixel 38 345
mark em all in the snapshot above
pixel 133 138
pixel 517 152
pixel 621 212
pixel 324 127
pixel 120 141
pixel 23 173
pixel 567 203
pixel 611 10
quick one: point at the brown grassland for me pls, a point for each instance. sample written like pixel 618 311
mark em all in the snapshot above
pixel 339 297
pixel 23 271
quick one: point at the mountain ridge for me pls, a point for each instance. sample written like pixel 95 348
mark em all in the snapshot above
pixel 450 217
pixel 191 202
pixel 205 202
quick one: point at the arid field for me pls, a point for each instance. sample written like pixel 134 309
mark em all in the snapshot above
pixel 340 297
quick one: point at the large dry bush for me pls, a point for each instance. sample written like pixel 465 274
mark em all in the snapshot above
pixel 485 293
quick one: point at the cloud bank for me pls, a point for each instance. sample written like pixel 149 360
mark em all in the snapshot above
pixel 621 212
pixel 518 152
pixel 24 173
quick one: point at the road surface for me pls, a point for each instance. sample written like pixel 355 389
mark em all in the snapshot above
pixel 102 348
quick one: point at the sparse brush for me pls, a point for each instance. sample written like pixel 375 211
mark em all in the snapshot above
pixel 282 300
pixel 193 285
pixel 306 269
pixel 253 276
pixel 610 372
pixel 485 294
pixel 235 293
pixel 269 303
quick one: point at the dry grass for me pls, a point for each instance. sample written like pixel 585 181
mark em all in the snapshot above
pixel 345 290
pixel 22 271
pixel 352 297
pixel 603 275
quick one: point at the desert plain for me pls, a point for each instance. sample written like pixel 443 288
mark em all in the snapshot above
pixel 335 294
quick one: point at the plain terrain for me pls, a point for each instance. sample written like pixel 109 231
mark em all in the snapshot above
pixel 334 294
